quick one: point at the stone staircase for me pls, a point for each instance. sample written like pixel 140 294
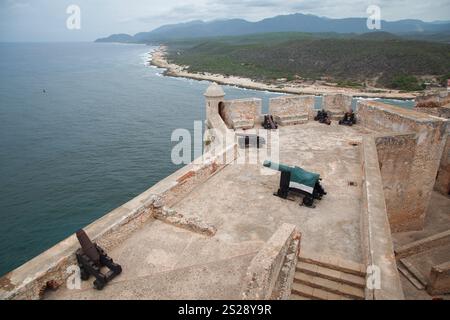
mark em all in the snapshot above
pixel 326 278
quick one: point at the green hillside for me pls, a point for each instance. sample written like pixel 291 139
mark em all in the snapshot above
pixel 350 59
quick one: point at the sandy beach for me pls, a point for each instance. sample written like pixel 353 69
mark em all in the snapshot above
pixel 158 59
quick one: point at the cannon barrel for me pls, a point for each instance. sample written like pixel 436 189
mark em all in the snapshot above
pixel 277 166
pixel 88 247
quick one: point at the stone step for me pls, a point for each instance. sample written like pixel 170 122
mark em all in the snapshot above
pixel 330 274
pixel 414 271
pixel 330 286
pixel 293 116
pixel 243 124
pixel 334 263
pixel 293 122
pixel 308 292
pixel 297 297
pixel 410 277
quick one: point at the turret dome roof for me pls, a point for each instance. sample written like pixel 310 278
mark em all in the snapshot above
pixel 214 91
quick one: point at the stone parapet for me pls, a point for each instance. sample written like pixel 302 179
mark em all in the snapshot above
pixel 415 176
pixel 271 273
pixel 337 105
pixel 443 179
pixel 50 269
pixel 292 110
pixel 376 232
pixel 439 279
pixel 241 113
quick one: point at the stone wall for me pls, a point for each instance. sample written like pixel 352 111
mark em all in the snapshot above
pixel 271 273
pixel 337 105
pixel 292 107
pixel 443 178
pixel 376 232
pixel 396 154
pixel 242 113
pixel 442 112
pixel 422 245
pixel 430 134
pixel 439 280
pixel 49 270
pixel 437 98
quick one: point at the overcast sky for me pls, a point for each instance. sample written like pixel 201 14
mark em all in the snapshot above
pixel 45 20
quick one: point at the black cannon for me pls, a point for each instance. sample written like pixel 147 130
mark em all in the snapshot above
pixel 322 117
pixel 91 259
pixel 348 120
pixel 298 180
pixel 269 123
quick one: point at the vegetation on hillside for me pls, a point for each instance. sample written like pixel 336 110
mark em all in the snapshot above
pixel 407 83
pixel 349 60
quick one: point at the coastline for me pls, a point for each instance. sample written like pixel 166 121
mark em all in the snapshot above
pixel 159 59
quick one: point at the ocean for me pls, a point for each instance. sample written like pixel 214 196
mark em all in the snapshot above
pixel 84 128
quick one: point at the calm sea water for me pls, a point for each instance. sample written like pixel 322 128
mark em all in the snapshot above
pixel 97 137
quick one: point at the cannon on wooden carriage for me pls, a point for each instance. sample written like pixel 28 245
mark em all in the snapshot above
pixel 300 181
pixel 348 120
pixel 269 123
pixel 322 117
pixel 91 259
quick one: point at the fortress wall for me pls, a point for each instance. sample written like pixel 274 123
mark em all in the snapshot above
pixel 395 154
pixel 242 110
pixel 337 105
pixel 376 231
pixel 288 106
pixel 442 112
pixel 439 280
pixel 443 178
pixel 271 273
pixel 440 97
pixel 50 269
pixel 430 133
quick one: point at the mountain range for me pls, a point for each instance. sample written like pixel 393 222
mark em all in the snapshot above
pixel 285 23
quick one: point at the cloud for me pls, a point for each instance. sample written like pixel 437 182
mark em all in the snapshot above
pixel 45 19
pixel 14 4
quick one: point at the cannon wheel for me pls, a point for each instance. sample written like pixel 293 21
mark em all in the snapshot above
pixel 99 285
pixel 308 201
pixel 84 274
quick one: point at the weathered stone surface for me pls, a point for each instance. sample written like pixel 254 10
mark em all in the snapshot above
pixel 439 279
pixel 422 245
pixel 242 113
pixel 214 96
pixel 443 178
pixel 337 105
pixel 434 98
pixel 413 200
pixel 395 155
pixel 191 223
pixel 264 270
pixel 292 110
pixel 376 239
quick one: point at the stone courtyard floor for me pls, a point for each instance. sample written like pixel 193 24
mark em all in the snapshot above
pixel 161 261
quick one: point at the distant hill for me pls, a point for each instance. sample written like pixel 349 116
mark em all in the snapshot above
pixel 122 38
pixel 380 59
pixel 284 23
